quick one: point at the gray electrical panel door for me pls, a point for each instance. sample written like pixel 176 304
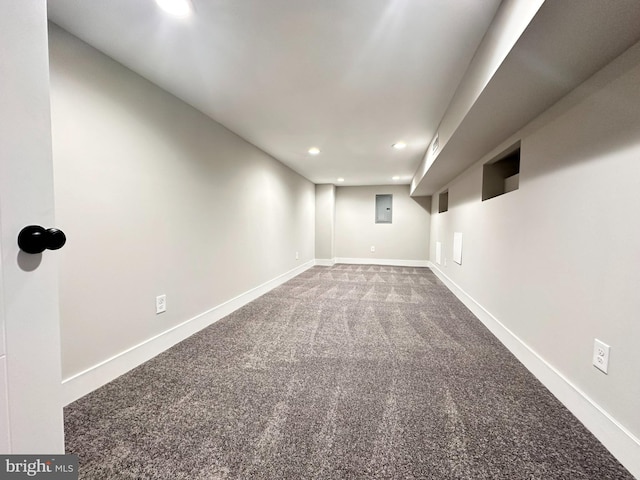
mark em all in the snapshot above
pixel 384 208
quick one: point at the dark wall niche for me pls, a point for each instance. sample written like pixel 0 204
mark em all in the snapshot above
pixel 443 201
pixel 501 174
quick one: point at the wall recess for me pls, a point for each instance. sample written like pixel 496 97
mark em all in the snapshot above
pixel 443 202
pixel 501 174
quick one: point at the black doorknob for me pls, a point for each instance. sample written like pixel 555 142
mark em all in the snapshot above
pixel 35 239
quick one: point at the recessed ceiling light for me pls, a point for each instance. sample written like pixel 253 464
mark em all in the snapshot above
pixel 340 179
pixel 314 151
pixel 179 8
pixel 396 178
pixel 399 145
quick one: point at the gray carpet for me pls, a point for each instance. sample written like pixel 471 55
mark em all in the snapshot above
pixel 344 372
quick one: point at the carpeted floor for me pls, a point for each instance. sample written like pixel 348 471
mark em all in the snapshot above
pixel 344 372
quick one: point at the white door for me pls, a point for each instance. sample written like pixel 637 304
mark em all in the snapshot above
pixel 30 378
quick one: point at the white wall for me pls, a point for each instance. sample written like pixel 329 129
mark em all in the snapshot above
pixel 511 20
pixel 406 239
pixel 157 198
pixel 325 222
pixel 556 262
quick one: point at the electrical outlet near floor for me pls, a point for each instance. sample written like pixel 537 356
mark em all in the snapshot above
pixel 161 304
pixel 601 355
pixel 373 249
pixel 297 255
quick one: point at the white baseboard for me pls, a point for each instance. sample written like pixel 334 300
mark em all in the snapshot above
pixel 326 262
pixel 384 261
pixel 85 382
pixel 615 437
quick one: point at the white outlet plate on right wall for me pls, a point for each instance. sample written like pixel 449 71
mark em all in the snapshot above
pixel 601 355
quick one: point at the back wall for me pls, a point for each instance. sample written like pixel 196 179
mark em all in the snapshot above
pixel 406 239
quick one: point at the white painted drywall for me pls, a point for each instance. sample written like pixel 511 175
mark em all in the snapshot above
pixel 406 238
pixel 325 221
pixel 556 261
pixel 156 198
pixel 510 21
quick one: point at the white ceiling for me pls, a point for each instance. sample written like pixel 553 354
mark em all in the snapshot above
pixel 351 77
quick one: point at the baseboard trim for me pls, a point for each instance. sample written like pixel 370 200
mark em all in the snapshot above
pixel 384 261
pixel 98 375
pixel 326 262
pixel 615 437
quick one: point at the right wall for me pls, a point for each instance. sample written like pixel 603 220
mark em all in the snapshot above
pixel 556 264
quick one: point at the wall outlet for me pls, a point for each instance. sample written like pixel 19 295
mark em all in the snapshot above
pixel 161 304
pixel 601 355
pixel 373 249
pixel 297 255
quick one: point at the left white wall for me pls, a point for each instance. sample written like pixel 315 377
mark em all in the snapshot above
pixel 156 198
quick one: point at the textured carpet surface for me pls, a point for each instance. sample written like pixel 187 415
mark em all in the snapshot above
pixel 344 372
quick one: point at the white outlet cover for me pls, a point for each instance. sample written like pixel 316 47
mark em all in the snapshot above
pixel 161 303
pixel 373 249
pixel 601 355
pixel 439 253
